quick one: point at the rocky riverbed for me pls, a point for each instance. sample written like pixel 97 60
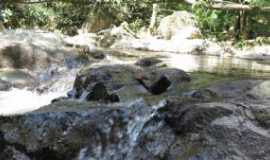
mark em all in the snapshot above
pixel 66 98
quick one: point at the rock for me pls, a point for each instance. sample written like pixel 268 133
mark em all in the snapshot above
pixel 173 129
pixel 4 85
pixel 189 32
pixel 17 56
pixel 94 53
pixel 216 124
pixel 215 49
pixel 190 46
pixel 99 93
pixel 82 40
pixel 58 99
pixel 178 22
pixel 202 95
pixel 13 154
pixel 186 118
pixel 31 49
pixel 91 133
pixel 148 62
pixel 158 87
pixel 255 53
pixel 122 80
pixel 262 115
pixel 233 89
pixel 18 78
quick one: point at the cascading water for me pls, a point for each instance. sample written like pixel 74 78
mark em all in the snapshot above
pixel 18 101
pixel 52 69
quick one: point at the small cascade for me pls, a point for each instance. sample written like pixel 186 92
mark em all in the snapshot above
pixel 19 101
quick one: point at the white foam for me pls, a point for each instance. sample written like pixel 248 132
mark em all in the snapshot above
pixel 18 101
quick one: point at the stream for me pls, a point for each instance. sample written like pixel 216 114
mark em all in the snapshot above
pixel 21 100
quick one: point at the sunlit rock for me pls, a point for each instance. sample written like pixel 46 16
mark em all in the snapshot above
pixel 127 81
pixel 177 23
pixel 31 49
pixel 255 53
pixel 189 32
pixel 82 39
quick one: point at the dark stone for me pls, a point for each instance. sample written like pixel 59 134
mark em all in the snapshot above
pixel 4 86
pixel 160 86
pixel 114 98
pixel 97 54
pixel 185 117
pixel 71 94
pixel 59 99
pixel 123 80
pixel 100 93
pixel 147 62
pixel 201 94
pixel 174 129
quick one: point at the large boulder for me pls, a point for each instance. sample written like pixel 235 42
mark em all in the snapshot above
pixel 4 85
pixel 180 23
pixel 128 82
pixel 31 49
pixel 173 129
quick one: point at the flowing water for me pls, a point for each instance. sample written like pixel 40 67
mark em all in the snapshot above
pixel 16 101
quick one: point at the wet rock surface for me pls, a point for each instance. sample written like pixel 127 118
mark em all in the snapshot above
pixel 4 85
pixel 174 129
pixel 127 81
pixel 17 78
pixel 148 62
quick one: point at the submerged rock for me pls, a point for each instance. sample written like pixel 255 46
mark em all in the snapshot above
pixel 148 62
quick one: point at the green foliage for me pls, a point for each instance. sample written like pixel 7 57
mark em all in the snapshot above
pixel 137 24
pixel 258 3
pixel 213 23
pixel 6 14
pixel 37 15
pixel 69 15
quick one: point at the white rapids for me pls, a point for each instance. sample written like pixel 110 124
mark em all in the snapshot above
pixel 18 101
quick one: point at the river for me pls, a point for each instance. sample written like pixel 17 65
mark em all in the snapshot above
pixel 17 101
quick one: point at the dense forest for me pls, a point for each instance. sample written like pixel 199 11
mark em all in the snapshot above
pixel 238 19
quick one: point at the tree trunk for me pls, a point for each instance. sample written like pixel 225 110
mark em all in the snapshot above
pixel 153 22
pixel 242 25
